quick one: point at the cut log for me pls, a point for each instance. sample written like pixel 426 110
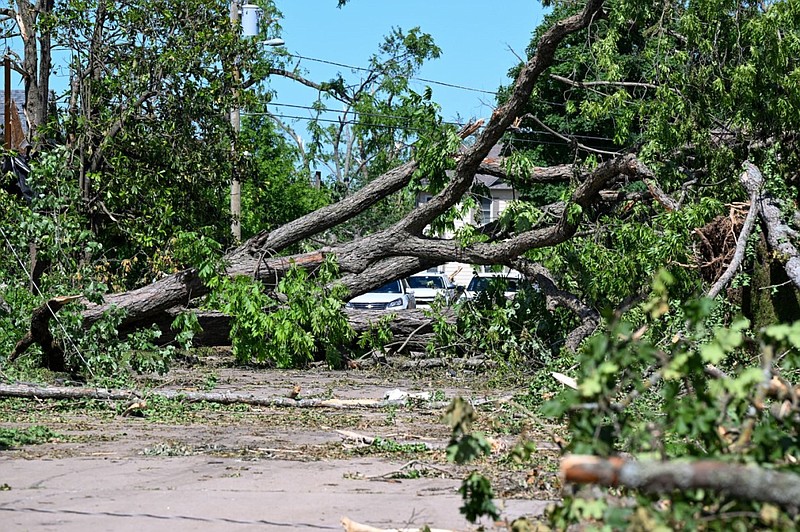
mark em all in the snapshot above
pixel 352 526
pixel 747 483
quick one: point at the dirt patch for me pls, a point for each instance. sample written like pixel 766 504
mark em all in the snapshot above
pixel 206 466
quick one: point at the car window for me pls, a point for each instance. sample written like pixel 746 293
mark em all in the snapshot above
pixel 425 281
pixel 389 288
pixel 479 284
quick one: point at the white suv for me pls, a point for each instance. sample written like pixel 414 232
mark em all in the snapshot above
pixel 480 282
pixel 429 286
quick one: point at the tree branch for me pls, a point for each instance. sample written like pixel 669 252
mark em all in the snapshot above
pixel 501 119
pixel 747 483
pixel 626 84
pixel 555 297
pixel 778 232
pixel 304 81
pixel 741 244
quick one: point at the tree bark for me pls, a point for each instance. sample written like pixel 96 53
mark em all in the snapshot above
pixel 36 63
pixel 748 483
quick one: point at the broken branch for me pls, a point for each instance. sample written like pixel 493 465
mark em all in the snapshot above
pixel 748 483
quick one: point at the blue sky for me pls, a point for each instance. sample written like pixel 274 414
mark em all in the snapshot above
pixel 476 38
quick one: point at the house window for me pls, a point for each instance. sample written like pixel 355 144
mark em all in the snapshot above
pixel 486 210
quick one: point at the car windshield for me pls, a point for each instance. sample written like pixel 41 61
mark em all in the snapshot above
pixel 479 284
pixel 389 288
pixel 425 281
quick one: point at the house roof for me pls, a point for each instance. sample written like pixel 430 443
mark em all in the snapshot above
pixel 492 182
pixel 489 181
pixel 18 123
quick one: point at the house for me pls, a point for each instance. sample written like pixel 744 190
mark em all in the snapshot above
pixel 498 195
pixel 15 169
pixel 18 126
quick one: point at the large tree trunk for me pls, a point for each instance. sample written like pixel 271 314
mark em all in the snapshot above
pixel 36 63
pixel 410 327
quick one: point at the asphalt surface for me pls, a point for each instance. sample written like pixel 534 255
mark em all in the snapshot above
pixel 158 493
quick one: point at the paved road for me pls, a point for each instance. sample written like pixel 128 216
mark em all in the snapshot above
pixel 208 493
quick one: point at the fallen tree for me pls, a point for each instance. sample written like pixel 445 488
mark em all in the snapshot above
pixel 405 247
pixel 400 250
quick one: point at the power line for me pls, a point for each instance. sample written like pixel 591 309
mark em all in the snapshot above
pixel 360 113
pixel 362 69
pixel 384 126
pixel 526 131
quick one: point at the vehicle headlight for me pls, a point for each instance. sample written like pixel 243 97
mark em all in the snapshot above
pixel 396 303
pixel 348 305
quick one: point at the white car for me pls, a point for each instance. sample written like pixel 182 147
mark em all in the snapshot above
pixel 480 282
pixel 429 286
pixel 394 295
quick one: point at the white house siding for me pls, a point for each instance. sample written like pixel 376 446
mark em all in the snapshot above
pixel 461 273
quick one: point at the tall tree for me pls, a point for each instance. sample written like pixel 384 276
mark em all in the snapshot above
pixel 32 22
pixel 153 83
pixel 377 122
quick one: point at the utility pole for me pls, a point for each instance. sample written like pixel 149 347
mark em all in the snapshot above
pixel 250 19
pixel 7 103
pixel 236 126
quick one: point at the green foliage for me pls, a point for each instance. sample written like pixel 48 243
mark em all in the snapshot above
pixel 378 334
pixel 383 124
pixel 103 356
pixel 274 192
pixel 290 334
pixel 187 326
pixel 515 332
pixel 76 263
pixel 384 445
pixel 648 394
pixel 466 446
pixel 476 491
pixel 28 436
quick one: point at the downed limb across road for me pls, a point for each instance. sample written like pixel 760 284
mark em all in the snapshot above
pixel 227 398
pixel 747 483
